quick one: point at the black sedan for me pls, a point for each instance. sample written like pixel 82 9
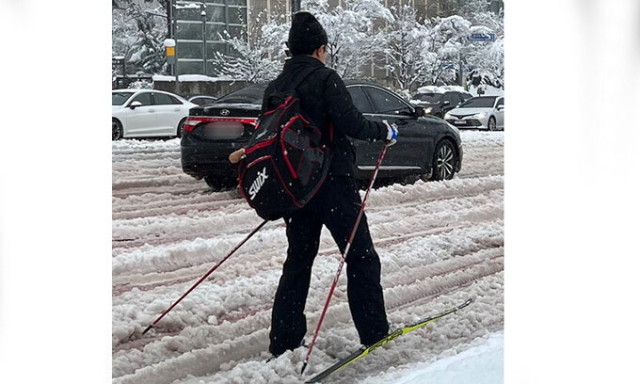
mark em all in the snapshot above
pixel 437 104
pixel 428 147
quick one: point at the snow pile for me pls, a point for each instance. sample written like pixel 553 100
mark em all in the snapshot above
pixel 441 89
pixel 488 91
pixel 473 90
pixel 475 139
pixel 481 364
pixel 190 78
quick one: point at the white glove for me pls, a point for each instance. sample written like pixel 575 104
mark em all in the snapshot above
pixel 392 133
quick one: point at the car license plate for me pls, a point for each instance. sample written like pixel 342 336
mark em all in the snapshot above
pixel 461 122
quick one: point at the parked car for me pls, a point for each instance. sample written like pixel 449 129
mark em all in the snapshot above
pixel 439 103
pixel 484 112
pixel 202 99
pixel 428 147
pixel 147 113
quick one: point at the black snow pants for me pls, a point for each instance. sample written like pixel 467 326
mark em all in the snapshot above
pixel 336 205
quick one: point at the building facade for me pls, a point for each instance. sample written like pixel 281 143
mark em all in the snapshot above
pixel 198 29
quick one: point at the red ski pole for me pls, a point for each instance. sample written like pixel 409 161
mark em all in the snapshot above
pixel 205 276
pixel 343 259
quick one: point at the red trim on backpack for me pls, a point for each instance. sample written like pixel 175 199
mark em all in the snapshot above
pixel 261 144
pixel 284 150
pixel 259 159
pixel 320 184
pixel 284 185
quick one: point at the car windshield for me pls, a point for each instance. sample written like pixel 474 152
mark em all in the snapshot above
pixel 431 98
pixel 249 95
pixel 479 102
pixel 118 98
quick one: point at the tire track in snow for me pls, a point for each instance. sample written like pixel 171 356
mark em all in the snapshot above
pixel 232 298
pixel 220 287
pixel 434 190
pixel 271 242
pixel 207 224
pixel 220 339
pixel 406 275
pixel 185 272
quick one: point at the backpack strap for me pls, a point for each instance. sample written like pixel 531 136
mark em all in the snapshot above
pixel 279 95
pixel 305 73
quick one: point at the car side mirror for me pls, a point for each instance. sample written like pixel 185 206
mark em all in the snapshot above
pixel 135 104
pixel 501 108
pixel 447 102
pixel 418 112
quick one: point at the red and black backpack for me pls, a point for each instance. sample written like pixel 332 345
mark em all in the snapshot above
pixel 286 160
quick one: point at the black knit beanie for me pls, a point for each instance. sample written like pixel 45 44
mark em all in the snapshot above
pixel 306 34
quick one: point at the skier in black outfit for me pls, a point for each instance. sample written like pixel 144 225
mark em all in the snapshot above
pixel 326 101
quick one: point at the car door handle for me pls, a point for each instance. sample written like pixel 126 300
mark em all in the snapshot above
pixel 176 109
pixel 401 121
pixel 152 110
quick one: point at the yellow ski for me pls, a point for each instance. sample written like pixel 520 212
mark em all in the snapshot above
pixel 362 352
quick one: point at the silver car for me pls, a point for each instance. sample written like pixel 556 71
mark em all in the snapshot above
pixel 485 112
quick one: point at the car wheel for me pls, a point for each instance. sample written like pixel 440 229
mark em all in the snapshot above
pixel 444 161
pixel 180 130
pixel 220 184
pixel 213 183
pixel 492 124
pixel 116 130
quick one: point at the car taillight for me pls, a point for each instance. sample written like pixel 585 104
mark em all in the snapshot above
pixel 194 121
pixel 191 123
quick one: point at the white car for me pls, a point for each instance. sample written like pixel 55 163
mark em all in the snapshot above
pixel 147 113
pixel 484 112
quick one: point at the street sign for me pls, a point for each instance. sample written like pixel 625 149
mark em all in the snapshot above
pixel 482 37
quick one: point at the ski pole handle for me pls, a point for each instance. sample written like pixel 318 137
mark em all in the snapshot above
pixel 236 156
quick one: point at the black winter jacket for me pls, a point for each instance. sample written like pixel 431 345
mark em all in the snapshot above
pixel 324 99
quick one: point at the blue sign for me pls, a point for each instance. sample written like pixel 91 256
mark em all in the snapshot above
pixel 482 37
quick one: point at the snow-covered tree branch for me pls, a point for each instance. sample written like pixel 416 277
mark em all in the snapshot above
pixel 138 35
pixel 406 40
pixel 255 58
pixel 353 38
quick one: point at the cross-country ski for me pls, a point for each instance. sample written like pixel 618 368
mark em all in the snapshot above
pixel 362 352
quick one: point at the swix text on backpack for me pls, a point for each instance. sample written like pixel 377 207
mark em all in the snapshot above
pixel 258 183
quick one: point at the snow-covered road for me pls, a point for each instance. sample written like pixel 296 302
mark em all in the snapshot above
pixel 439 243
